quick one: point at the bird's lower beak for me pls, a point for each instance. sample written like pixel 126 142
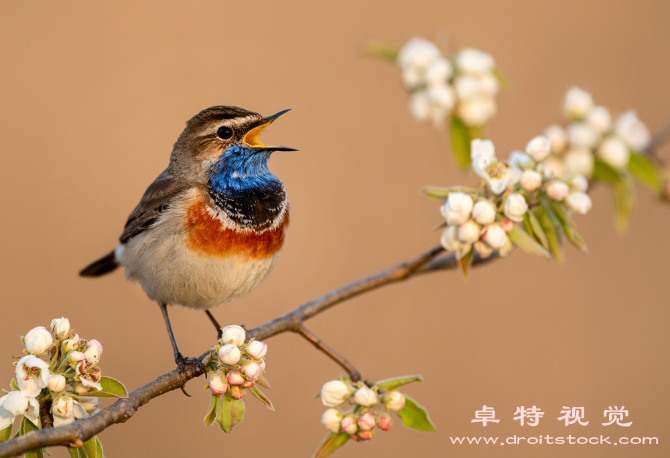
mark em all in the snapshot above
pixel 251 138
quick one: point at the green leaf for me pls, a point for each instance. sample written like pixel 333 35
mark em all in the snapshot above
pixel 331 443
pixel 466 262
pixel 93 448
pixel 111 388
pixel 258 394
pixel 645 171
pixel 230 412
pixel 624 202
pixel 381 51
pixel 568 226
pixel 535 228
pixel 442 193
pixel 211 413
pixel 78 452
pixel 394 383
pixel 602 171
pixel 262 381
pixel 460 142
pixel 5 433
pixel 550 223
pixel 415 416
pixel 503 81
pixel 527 243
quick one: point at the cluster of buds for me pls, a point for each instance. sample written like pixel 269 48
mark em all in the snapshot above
pixel 71 373
pixel 591 133
pixel 482 220
pixel 240 365
pixel 370 408
pixel 463 85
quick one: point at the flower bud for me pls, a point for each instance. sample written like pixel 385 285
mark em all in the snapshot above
pixel 394 401
pixel 233 334
pixel 577 103
pixel 515 207
pixel 474 61
pixel 580 183
pixel 262 365
pixel 494 235
pixel 442 96
pixel 348 424
pixel 469 231
pixel 56 382
pixel 558 138
pixel 484 212
pixel 81 389
pixel 384 422
pixel 334 393
pixel 539 148
pixel 38 340
pixel 229 354
pixel 365 396
pixel 483 250
pixel 93 351
pixel 633 131
pixel 439 71
pixel 68 345
pixel 235 378
pixel 507 225
pixel 582 135
pixel 579 202
pixel 218 384
pixel 257 349
pixel 599 119
pixel 252 370
pixel 579 160
pixel 366 422
pixel 477 110
pixel 530 180
pixel 458 207
pixel 615 152
pixel 248 384
pixel 75 357
pixel 236 392
pixel 60 327
pixel 331 419
pixel 364 435
pixel 417 52
pixel 557 190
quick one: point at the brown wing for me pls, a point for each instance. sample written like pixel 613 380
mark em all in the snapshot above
pixel 155 200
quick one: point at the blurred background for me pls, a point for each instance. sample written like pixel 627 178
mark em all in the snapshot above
pixel 95 94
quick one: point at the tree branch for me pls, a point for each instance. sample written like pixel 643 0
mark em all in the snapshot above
pixel 354 374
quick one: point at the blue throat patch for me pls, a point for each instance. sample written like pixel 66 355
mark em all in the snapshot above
pixel 241 168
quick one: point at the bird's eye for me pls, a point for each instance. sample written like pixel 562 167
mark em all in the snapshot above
pixel 224 133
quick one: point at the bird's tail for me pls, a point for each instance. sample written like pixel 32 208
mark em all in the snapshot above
pixel 102 266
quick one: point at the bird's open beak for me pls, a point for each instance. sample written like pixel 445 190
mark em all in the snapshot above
pixel 251 138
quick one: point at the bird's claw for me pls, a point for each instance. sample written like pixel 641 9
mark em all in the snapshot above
pixel 183 361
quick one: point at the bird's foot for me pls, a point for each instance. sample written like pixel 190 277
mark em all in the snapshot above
pixel 182 362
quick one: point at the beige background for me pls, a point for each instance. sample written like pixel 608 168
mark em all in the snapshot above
pixel 94 95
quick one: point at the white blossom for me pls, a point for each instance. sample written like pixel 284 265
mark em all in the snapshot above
pixel 412 77
pixel 614 151
pixel 458 207
pixel 32 374
pixel 599 119
pixel 56 382
pixel 580 183
pixel 484 212
pixel 579 202
pixel 6 417
pixel 257 349
pixel 233 334
pixel 16 403
pixel 60 327
pixel 577 103
pixel 252 370
pixel 93 351
pixel 331 419
pixel 65 410
pixel 530 180
pixel 579 160
pixel 554 166
pixel 558 138
pixel 419 53
pixel 366 422
pixel 539 148
pixel 394 401
pixel 439 71
pixel 451 243
pixel 474 61
pixel 38 340
pixel 348 425
pixel 633 131
pixel 469 231
pixel 476 111
pixel 494 235
pixel 558 190
pixel 520 160
pixel 515 207
pixel 365 396
pixel 334 393
pixel 582 135
pixel 497 174
pixel 229 354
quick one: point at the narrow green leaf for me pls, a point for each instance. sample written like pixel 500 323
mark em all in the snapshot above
pixel 645 171
pixel 230 412
pixel 437 192
pixel 331 443
pixel 602 171
pixel 568 226
pixel 536 228
pixel 262 381
pixel 624 202
pixel 381 51
pixel 415 416
pixel 93 448
pixel 503 81
pixel 549 223
pixel 394 383
pixel 466 262
pixel 258 394
pixel 98 448
pixel 78 452
pixel 211 413
pixel 527 243
pixel 5 433
pixel 460 142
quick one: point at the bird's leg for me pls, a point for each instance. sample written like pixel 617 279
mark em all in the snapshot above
pixel 219 331
pixel 178 357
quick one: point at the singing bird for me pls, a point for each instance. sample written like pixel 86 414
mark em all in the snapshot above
pixel 211 227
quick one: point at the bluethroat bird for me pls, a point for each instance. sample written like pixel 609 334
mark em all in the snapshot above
pixel 210 228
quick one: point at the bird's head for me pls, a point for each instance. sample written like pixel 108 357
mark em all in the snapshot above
pixel 222 143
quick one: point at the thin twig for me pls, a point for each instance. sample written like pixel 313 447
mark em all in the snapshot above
pixel 354 374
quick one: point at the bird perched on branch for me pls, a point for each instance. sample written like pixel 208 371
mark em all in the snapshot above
pixel 210 228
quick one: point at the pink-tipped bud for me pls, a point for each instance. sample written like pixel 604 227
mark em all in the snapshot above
pixel 257 349
pixel 348 424
pixel 248 384
pixel 366 422
pixel 507 225
pixel 252 370
pixel 233 334
pixel 364 435
pixel 365 396
pixel 218 384
pixel 235 378
pixel 236 392
pixel 394 401
pixel 229 354
pixel 262 365
pixel 93 351
pixel 384 422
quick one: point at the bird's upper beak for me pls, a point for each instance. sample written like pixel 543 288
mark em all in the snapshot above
pixel 251 138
